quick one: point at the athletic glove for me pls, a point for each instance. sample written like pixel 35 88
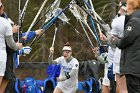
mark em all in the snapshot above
pixel 51 50
pixel 106 27
pixel 25 50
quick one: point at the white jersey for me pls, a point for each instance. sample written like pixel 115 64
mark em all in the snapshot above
pixel 110 55
pixel 5 30
pixel 118 26
pixel 117 29
pixel 72 82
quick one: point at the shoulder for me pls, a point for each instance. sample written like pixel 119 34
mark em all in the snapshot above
pixel 4 22
pixel 60 58
pixel 118 20
pixel 132 26
pixel 133 23
pixel 121 18
pixel 134 19
pixel 75 61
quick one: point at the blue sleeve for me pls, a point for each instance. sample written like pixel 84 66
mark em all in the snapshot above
pixel 30 35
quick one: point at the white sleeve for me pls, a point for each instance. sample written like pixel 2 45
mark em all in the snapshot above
pixel 11 43
pixel 58 60
pixel 114 27
pixel 8 29
pixel 75 65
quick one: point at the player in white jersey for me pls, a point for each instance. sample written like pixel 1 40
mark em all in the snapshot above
pixel 6 36
pixel 114 53
pixel 5 30
pixel 117 31
pixel 103 58
pixel 68 79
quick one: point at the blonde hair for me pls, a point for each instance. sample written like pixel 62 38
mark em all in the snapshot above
pixel 134 3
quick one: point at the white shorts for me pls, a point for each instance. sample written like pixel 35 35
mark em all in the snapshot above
pixel 116 68
pixel 65 89
pixel 116 64
pixel 3 58
pixel 106 81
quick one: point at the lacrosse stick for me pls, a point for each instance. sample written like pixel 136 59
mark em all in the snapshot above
pixel 106 26
pixel 100 22
pixel 23 11
pixel 85 32
pixel 91 20
pixel 48 14
pixel 92 9
pixel 56 29
pixel 19 20
pixel 66 20
pixel 50 10
pixel 82 16
pixel 48 25
pixel 41 8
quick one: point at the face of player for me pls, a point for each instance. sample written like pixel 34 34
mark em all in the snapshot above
pixel 122 11
pixel 67 54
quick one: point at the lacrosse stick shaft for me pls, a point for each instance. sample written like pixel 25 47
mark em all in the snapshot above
pixel 88 12
pixel 93 11
pixel 91 46
pixel 99 22
pixel 53 40
pixel 54 36
pixel 43 16
pixel 95 16
pixel 48 25
pixel 23 11
pixel 86 33
pixel 90 30
pixel 96 34
pixel 85 22
pixel 77 11
pixel 37 37
pixel 19 21
pixel 54 18
pixel 36 17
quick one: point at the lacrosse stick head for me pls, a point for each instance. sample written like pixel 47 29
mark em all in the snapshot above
pixel 51 9
pixel 78 12
pixel 62 16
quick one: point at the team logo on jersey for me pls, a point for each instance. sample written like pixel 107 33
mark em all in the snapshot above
pixel 129 28
pixel 76 65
